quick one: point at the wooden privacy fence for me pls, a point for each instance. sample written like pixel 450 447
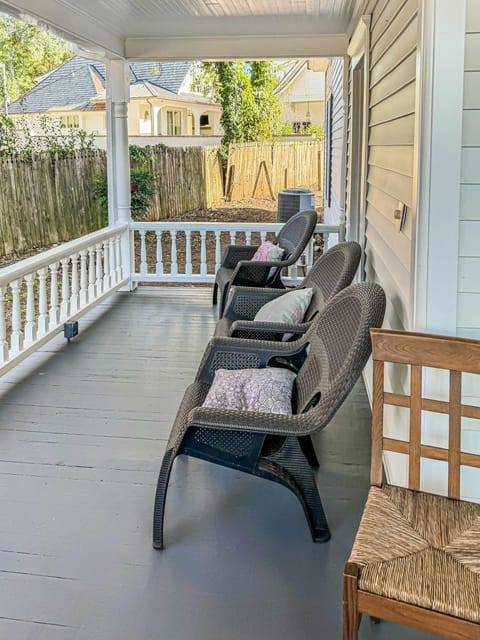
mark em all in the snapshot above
pixel 187 178
pixel 47 199
pixel 263 169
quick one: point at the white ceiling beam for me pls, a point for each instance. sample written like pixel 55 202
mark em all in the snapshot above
pixel 236 48
pixel 72 24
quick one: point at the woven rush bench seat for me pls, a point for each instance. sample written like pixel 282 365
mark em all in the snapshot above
pixel 421 549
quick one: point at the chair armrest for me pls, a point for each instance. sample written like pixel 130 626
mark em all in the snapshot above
pixel 234 353
pixel 244 302
pixel 235 253
pixel 266 329
pixel 254 421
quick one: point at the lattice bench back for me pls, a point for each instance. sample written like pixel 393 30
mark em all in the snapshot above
pixel 420 350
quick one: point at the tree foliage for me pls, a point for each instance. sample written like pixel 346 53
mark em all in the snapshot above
pixel 28 52
pixel 250 110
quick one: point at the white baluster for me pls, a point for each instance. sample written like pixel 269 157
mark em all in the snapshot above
pixel 30 327
pixel 83 279
pixel 118 257
pixel 16 339
pixel 326 241
pixel 143 254
pixel 309 256
pixel 203 254
pixel 98 269
pixel 159 264
pixel 188 254
pixel 248 237
pixel 217 251
pixel 233 237
pixel 106 266
pixel 293 271
pixel 3 331
pixel 91 273
pixel 42 302
pixel 263 236
pixel 173 269
pixel 53 295
pixel 113 266
pixel 65 306
pixel 74 292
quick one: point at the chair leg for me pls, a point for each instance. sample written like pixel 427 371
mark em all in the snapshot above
pixel 223 300
pixel 160 498
pixel 288 466
pixel 351 616
pixel 215 293
pixel 309 452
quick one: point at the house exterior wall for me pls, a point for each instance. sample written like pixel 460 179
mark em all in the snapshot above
pixel 391 152
pixel 306 93
pixel 334 211
pixel 468 308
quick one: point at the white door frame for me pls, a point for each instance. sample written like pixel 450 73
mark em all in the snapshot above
pixel 359 52
pixel 440 73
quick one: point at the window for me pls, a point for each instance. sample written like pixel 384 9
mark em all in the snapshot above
pixel 204 121
pixel 299 127
pixel 70 122
pixel 328 152
pixel 174 123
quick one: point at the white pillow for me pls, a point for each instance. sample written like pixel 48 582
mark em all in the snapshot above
pixel 289 308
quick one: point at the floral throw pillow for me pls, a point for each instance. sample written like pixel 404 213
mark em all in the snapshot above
pixel 264 390
pixel 268 252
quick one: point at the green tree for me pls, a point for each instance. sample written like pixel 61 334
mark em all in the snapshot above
pixel 250 109
pixel 28 52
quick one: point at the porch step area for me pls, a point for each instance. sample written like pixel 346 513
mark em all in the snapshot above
pixel 82 430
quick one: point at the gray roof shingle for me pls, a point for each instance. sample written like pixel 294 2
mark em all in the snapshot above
pixel 71 84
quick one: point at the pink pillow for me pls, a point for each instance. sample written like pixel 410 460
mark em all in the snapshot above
pixel 264 390
pixel 268 252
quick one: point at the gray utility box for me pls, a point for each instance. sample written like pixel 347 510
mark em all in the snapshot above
pixel 291 201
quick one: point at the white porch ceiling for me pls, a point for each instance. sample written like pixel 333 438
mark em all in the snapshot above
pixel 197 28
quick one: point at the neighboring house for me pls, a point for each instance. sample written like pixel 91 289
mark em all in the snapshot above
pixel 301 92
pixel 162 103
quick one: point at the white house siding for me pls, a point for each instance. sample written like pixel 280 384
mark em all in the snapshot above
pixel 468 307
pixel 391 158
pixel 468 303
pixel 334 214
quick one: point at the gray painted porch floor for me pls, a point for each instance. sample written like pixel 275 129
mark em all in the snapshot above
pixel 82 430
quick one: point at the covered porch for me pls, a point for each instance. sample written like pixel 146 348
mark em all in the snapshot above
pixel 83 428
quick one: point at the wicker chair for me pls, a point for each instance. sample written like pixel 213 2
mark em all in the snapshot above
pixel 416 557
pixel 239 268
pixel 332 272
pixel 270 445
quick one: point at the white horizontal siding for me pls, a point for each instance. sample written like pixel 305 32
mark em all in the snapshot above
pixel 468 303
pixel 468 299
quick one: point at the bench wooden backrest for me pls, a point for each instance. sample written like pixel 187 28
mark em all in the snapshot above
pixel 419 350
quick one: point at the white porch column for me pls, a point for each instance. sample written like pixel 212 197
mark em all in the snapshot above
pixel 118 160
pixel 196 119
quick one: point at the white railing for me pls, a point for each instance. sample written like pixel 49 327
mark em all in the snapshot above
pixel 192 251
pixel 39 294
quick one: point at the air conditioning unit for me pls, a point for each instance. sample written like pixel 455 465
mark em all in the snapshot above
pixel 291 201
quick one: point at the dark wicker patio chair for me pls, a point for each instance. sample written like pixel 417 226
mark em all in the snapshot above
pixel 270 445
pixel 416 556
pixel 332 272
pixel 239 268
